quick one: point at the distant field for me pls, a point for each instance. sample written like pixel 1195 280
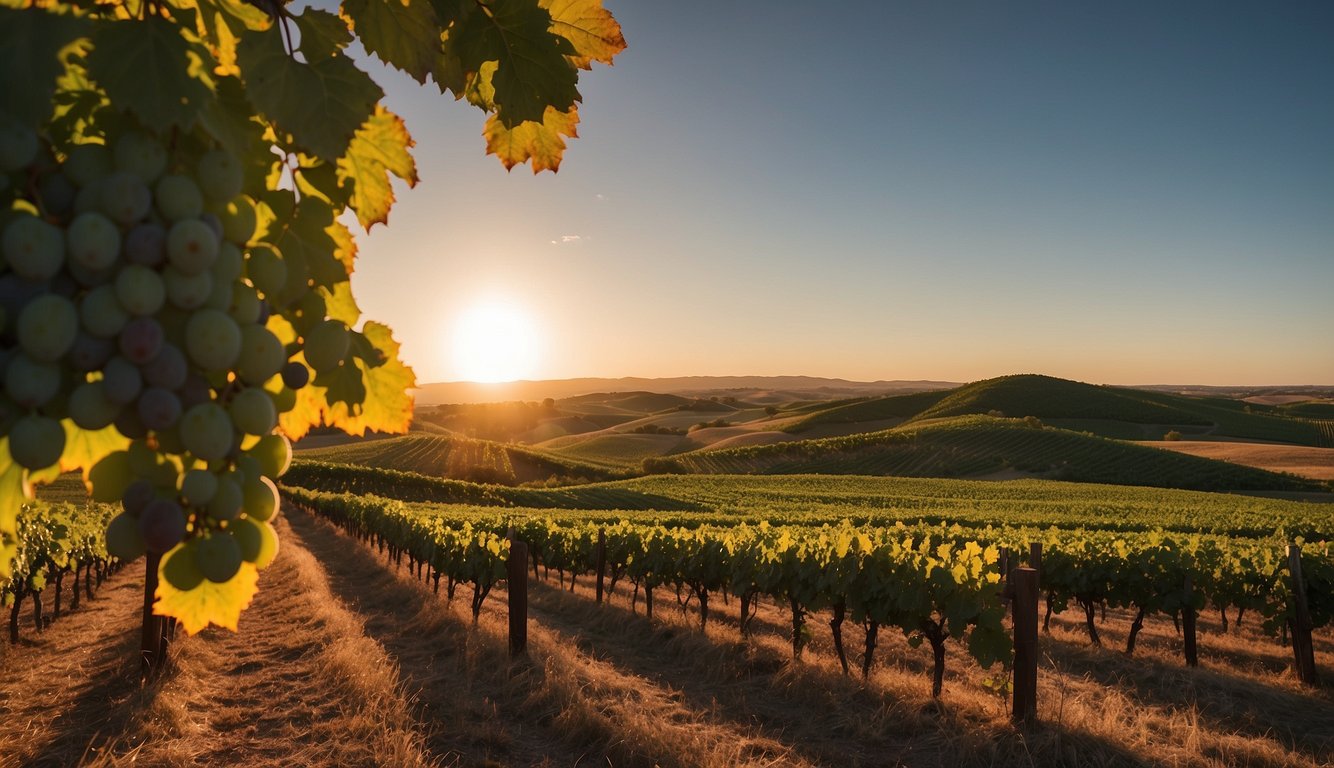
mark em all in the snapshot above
pixel 1315 463
pixel 981 445
pixel 460 458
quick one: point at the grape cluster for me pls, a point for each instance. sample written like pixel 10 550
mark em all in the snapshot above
pixel 132 296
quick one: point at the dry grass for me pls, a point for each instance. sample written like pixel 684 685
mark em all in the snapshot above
pixel 1315 463
pixel 343 661
pixel 633 692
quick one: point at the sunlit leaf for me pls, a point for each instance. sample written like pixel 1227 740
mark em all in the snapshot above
pixel 379 148
pixel 208 603
pixel 543 142
pixel 589 27
pixel 84 448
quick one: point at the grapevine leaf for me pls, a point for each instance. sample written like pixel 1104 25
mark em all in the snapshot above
pixel 148 68
pixel 308 412
pixel 589 27
pixel 30 42
pixel 345 248
pixel 321 103
pixel 402 33
pixel 303 238
pixel 448 69
pixel 543 142
pixel 11 498
pixel 532 71
pixel 323 34
pixel 228 118
pixel 84 448
pixel 339 303
pixel 388 407
pixel 379 148
pixel 208 603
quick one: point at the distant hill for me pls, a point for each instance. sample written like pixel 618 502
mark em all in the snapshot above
pixel 788 388
pixel 973 446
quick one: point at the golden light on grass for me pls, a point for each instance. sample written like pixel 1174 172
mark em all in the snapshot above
pixel 493 340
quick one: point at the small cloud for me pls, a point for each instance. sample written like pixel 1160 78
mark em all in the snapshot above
pixel 599 196
pixel 564 239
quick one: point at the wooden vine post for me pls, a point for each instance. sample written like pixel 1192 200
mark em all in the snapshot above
pixel 150 644
pixel 1303 650
pixel 1188 623
pixel 1022 590
pixel 517 577
pixel 601 561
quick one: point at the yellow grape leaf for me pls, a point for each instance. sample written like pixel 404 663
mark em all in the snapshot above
pixel 308 412
pixel 541 142
pixel 208 603
pixel 589 27
pixel 388 404
pixel 345 247
pixel 379 148
pixel 11 498
pixel 83 449
pixel 339 303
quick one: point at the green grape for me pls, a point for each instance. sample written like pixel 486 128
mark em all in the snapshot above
pixel 18 146
pixel 220 297
pixel 179 566
pixel 227 499
pixel 266 270
pixel 284 399
pixel 89 197
pixel 191 246
pixel 248 468
pixel 259 541
pixel 261 499
pixel 89 407
pixel 262 356
pixel 110 476
pixel 101 314
pixel 239 220
pixel 212 340
pixel 31 383
pixel 274 453
pixel 169 439
pixel 92 241
pixel 220 175
pixel 34 249
pixel 252 411
pixel 47 326
pixel 229 264
pixel 87 163
pixel 125 198
pixel 207 431
pixel 178 198
pixel 36 442
pixel 244 307
pixel 121 380
pixel 123 539
pixel 141 154
pixel 218 557
pixel 326 345
pixel 198 487
pixel 140 290
pixel 187 291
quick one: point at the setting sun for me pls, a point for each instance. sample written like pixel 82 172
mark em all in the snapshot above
pixel 494 341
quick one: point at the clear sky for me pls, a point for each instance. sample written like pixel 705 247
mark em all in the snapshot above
pixel 1130 192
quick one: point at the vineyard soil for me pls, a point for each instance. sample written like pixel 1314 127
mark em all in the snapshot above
pixel 346 660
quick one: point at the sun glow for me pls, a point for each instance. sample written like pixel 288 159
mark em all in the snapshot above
pixel 495 340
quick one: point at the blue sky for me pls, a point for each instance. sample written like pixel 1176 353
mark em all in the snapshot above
pixel 1113 192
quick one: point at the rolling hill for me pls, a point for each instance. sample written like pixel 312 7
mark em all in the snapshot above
pixel 974 446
